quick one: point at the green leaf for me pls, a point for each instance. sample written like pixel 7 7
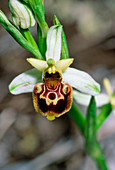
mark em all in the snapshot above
pixel 16 34
pixel 26 33
pixel 38 9
pixel 41 42
pixel 77 117
pixel 95 151
pixel 91 145
pixel 26 1
pixel 64 48
pixel 103 115
pixel 90 127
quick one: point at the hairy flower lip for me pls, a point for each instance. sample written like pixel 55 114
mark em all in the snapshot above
pixel 64 107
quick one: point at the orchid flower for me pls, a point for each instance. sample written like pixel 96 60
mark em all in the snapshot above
pixel 51 81
pixel 101 99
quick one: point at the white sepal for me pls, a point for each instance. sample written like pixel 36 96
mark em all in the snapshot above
pixel 40 65
pixel 81 81
pixel 25 82
pixel 21 14
pixel 84 99
pixel 54 43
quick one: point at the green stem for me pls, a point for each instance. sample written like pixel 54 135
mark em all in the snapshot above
pixel 105 112
pixel 95 151
pixel 92 146
pixel 38 9
pixel 77 117
pixel 90 126
pixel 16 34
pixel 41 42
pixel 27 34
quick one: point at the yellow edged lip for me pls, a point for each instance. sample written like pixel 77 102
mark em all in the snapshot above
pixel 52 98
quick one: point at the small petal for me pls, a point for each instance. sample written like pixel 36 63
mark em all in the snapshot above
pixel 40 65
pixel 54 43
pixel 25 82
pixel 84 99
pixel 81 81
pixel 64 64
pixel 21 14
pixel 107 86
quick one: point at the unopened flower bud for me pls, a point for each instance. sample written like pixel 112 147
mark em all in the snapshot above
pixel 21 14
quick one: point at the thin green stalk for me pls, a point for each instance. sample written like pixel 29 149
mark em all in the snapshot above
pixel 27 34
pixel 105 112
pixel 41 41
pixel 38 9
pixel 90 126
pixel 95 151
pixel 16 34
pixel 92 146
pixel 77 117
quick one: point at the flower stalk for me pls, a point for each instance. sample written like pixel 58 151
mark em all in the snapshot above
pixel 17 35
pixel 77 117
pixel 38 9
pixel 103 115
pixel 91 144
pixel 41 42
pixel 26 33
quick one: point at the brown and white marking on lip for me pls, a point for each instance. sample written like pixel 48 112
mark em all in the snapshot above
pixel 53 97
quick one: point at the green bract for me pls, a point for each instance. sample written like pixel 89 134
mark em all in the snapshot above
pixel 22 15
